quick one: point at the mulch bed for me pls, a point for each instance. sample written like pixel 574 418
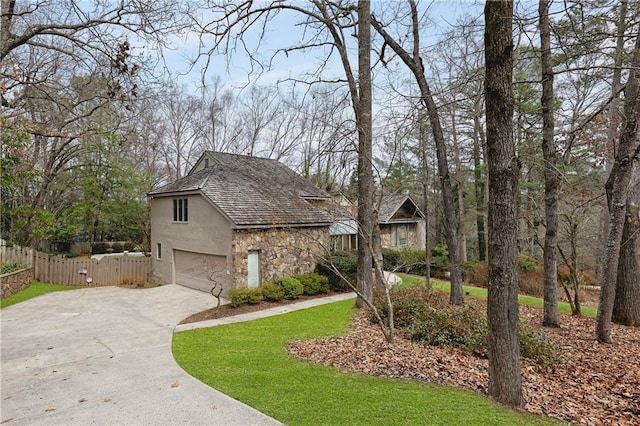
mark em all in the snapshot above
pixel 599 384
pixel 227 310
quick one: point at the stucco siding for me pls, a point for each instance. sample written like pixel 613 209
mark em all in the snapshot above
pixel 207 231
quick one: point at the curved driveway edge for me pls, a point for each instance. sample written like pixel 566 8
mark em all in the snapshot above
pixel 103 356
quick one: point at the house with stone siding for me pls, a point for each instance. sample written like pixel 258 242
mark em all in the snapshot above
pixel 402 225
pixel 238 221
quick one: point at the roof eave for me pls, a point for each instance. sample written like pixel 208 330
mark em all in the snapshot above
pixel 174 193
pixel 280 225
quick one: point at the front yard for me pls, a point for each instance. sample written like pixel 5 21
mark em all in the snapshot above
pixel 249 362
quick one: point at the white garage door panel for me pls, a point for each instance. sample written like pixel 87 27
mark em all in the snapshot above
pixel 200 271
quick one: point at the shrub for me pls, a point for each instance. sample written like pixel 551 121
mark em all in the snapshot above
pixel 243 295
pixel 117 247
pixel 272 292
pixel 452 325
pixel 7 268
pixel 440 255
pixel 526 263
pixel 405 260
pixel 390 260
pixel 344 261
pixel 425 316
pixel 313 283
pixel 531 282
pixel 478 274
pixel 291 287
pixel 538 349
pixel 128 246
pixel 407 305
pixel 413 261
pixel 99 247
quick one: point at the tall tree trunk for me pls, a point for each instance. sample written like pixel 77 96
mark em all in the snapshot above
pixel 365 167
pixel 480 184
pixel 551 314
pixel 617 191
pixel 422 129
pixel 626 308
pixel 614 118
pixel 505 384
pixel 462 226
pixel 414 62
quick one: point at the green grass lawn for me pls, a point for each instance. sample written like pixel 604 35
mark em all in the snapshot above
pixel 411 281
pixel 248 361
pixel 35 289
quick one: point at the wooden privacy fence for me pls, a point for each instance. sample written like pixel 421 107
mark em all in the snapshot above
pixel 16 254
pixel 78 271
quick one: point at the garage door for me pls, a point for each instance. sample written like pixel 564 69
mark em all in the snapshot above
pixel 200 271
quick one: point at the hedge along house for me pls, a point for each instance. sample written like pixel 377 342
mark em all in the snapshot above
pixel 237 221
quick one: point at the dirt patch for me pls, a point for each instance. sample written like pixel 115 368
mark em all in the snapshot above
pixel 598 384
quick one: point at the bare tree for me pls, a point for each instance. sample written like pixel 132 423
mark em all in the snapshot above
pixel 222 130
pixel 85 34
pixel 505 383
pixel 182 115
pixel 414 62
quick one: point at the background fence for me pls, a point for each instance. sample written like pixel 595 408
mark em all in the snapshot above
pixel 78 270
pixel 16 254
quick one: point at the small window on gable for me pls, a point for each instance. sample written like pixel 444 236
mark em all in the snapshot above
pixel 180 210
pixel 206 163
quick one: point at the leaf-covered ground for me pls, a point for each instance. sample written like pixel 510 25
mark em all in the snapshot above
pixel 598 384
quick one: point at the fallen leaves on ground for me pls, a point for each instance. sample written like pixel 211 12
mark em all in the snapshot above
pixel 598 384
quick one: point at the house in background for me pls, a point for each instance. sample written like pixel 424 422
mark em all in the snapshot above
pixel 402 225
pixel 237 221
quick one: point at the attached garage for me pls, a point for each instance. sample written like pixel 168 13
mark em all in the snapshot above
pixel 200 271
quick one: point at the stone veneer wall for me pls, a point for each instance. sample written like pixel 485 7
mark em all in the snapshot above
pixel 283 251
pixel 385 236
pixel 15 281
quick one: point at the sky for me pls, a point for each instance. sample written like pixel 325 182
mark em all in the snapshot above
pixel 283 32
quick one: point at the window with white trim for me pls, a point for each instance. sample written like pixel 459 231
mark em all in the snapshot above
pixel 180 210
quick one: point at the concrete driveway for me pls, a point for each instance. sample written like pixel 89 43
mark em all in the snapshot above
pixel 103 356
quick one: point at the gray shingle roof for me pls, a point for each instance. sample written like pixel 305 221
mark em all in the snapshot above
pixel 391 204
pixel 253 191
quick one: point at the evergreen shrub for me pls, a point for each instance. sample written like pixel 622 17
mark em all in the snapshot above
pixel 243 295
pixel 344 261
pixel 272 292
pixel 99 247
pixel 313 284
pixel 117 247
pixel 291 287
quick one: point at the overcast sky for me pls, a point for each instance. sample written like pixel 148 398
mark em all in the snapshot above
pixel 283 32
